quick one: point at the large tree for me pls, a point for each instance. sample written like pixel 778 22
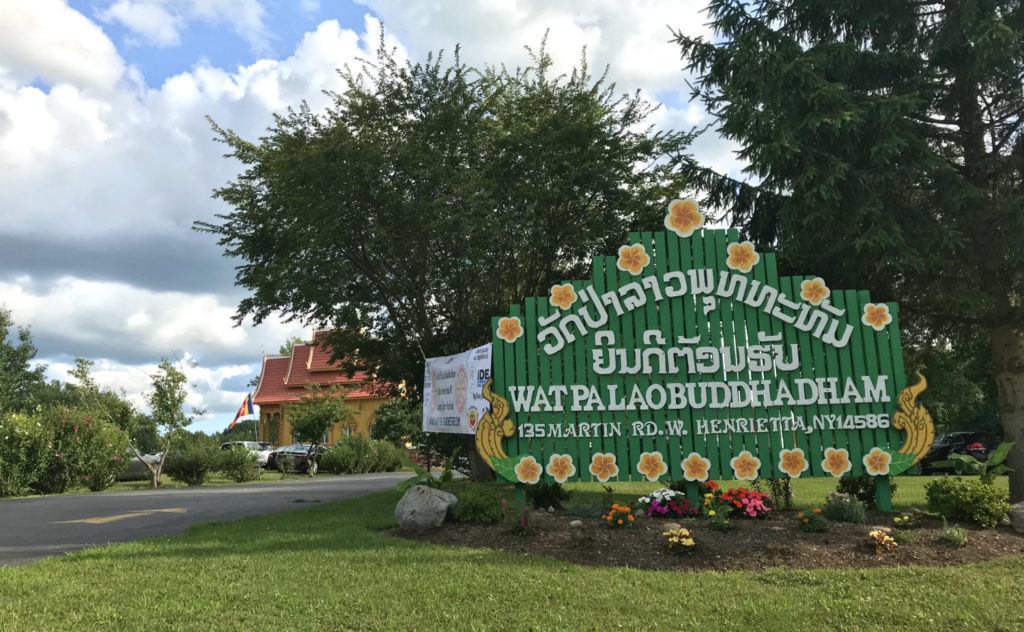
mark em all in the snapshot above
pixel 430 196
pixel 885 149
pixel 20 382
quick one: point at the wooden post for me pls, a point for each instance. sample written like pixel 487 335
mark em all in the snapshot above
pixel 883 493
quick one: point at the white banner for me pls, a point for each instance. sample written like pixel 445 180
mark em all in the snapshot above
pixel 453 398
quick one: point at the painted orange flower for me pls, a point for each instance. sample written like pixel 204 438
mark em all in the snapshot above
pixel 603 466
pixel 683 217
pixel 877 461
pixel 837 461
pixel 792 462
pixel 562 296
pixel 814 291
pixel 742 256
pixel 696 467
pixel 633 259
pixel 651 465
pixel 876 316
pixel 745 466
pixel 528 470
pixel 509 329
pixel 560 467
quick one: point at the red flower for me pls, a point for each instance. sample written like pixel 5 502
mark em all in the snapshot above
pixel 975 446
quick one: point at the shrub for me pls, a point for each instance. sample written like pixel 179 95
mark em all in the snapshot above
pixel 862 488
pixel 904 537
pixel 954 498
pixel 478 502
pixel 840 507
pixel 22 450
pixel 103 454
pixel 882 541
pixel 813 521
pixel 240 464
pixel 954 535
pixel 190 466
pixel 544 495
pixel 359 454
pixel 516 517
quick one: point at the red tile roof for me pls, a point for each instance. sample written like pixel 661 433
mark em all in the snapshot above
pixel 284 377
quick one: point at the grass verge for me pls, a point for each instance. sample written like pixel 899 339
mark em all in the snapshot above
pixel 336 567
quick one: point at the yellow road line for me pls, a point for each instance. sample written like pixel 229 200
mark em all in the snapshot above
pixel 134 514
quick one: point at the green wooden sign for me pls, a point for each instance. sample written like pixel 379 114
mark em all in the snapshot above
pixel 686 357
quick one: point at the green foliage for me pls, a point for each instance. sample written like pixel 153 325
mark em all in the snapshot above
pixel 813 521
pixel 987 470
pixel 862 488
pixel 478 502
pixel 358 454
pixel 545 494
pixel 243 431
pixel 400 420
pixel 904 537
pixel 840 507
pixel 20 383
pixel 967 499
pixel 239 463
pixel 954 535
pixel 421 166
pixel 22 451
pixel 191 466
pixel 318 410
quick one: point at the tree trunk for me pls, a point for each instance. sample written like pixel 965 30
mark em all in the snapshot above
pixel 479 471
pixel 1008 371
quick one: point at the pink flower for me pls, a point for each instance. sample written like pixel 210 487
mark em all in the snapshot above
pixel 60 455
pixel 76 429
pixel 86 478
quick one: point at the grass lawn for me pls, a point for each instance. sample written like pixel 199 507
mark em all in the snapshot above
pixel 335 567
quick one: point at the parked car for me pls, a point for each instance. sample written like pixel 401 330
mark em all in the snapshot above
pixel 259 448
pixel 976 444
pixel 137 470
pixel 298 453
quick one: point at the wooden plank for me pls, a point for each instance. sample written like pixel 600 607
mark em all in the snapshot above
pixel 539 371
pixel 810 368
pixel 630 341
pixel 869 437
pixel 498 375
pixel 616 324
pixel 853 312
pixel 702 244
pixel 899 373
pixel 515 373
pixel 668 445
pixel 757 321
pixel 734 336
pixel 683 324
pixel 843 299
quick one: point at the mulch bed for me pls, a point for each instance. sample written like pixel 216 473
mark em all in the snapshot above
pixel 752 544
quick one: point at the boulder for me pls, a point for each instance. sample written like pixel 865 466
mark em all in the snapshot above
pixel 576 524
pixel 424 507
pixel 1017 517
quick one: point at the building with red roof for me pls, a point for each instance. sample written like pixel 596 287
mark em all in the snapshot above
pixel 283 380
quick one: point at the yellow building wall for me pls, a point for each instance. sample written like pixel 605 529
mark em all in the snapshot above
pixel 360 422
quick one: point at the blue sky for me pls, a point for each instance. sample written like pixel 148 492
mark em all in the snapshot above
pixel 106 157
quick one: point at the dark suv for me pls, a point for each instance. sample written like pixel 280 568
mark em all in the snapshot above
pixel 976 444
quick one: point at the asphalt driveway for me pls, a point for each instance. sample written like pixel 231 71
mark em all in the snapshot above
pixel 35 528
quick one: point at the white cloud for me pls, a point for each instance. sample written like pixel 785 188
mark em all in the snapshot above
pixel 49 41
pixel 160 22
pixel 632 35
pixel 155 21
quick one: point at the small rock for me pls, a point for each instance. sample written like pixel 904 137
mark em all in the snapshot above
pixel 1017 517
pixel 672 526
pixel 777 529
pixel 551 509
pixel 576 524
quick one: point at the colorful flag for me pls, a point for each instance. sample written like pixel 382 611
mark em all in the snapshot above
pixel 244 410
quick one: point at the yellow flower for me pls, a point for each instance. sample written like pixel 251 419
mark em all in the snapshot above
pixel 709 495
pixel 711 513
pixel 603 467
pixel 560 467
pixel 877 462
pixel 683 217
pixel 742 256
pixel 745 466
pixel 837 461
pixel 814 291
pixel 876 316
pixel 633 259
pixel 688 542
pixel 562 296
pixel 651 465
pixel 695 468
pixel 509 329
pixel 528 470
pixel 792 462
